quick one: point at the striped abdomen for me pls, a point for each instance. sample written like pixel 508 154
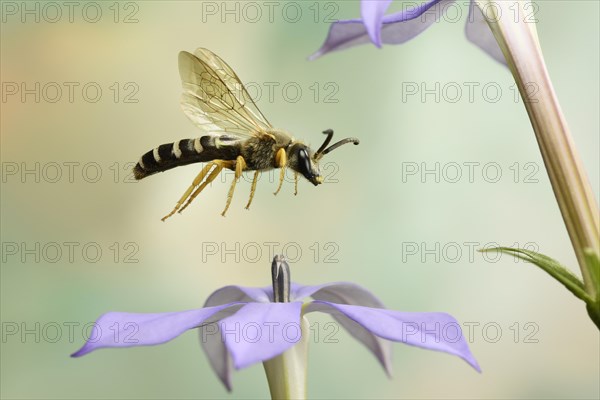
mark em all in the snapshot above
pixel 186 151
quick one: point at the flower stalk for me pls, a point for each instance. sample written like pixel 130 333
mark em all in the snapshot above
pixel 287 372
pixel 520 46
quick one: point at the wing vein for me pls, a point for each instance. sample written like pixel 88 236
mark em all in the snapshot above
pixel 215 99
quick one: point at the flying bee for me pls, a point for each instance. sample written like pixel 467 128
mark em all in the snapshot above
pixel 237 136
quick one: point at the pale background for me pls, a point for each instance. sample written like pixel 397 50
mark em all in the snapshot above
pixel 370 214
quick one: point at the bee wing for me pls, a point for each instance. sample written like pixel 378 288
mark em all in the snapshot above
pixel 215 99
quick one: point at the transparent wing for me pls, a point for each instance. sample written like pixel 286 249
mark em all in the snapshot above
pixel 215 99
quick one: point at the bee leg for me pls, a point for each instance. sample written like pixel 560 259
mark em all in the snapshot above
pixel 252 189
pixel 281 162
pixel 187 193
pixel 295 183
pixel 220 164
pixel 240 166
pixel 211 177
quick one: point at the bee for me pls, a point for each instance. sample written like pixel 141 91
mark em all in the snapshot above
pixel 237 136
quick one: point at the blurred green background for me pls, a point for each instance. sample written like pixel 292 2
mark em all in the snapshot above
pixel 406 237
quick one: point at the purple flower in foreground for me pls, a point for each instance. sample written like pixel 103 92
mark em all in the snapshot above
pixel 258 324
pixel 400 27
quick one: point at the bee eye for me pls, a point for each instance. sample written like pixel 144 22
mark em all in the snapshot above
pixel 304 161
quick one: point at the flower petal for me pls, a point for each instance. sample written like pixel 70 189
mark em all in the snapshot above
pixel 372 13
pixel 300 292
pixel 397 28
pixel 261 331
pixel 350 293
pixel 344 292
pixel 434 331
pixel 381 349
pixel 337 292
pixel 118 329
pixel 214 347
pixel 480 34
pixel 241 294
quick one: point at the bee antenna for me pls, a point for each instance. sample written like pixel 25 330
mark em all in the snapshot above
pixel 341 143
pixel 329 133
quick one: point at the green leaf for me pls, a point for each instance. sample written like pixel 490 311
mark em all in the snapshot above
pixel 593 264
pixel 593 310
pixel 551 266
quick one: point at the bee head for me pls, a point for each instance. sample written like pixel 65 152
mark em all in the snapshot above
pixel 303 160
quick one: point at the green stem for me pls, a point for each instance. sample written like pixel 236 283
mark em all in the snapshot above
pixel 519 43
pixel 286 373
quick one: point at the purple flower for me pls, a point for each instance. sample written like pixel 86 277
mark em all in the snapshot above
pixel 241 326
pixel 402 26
